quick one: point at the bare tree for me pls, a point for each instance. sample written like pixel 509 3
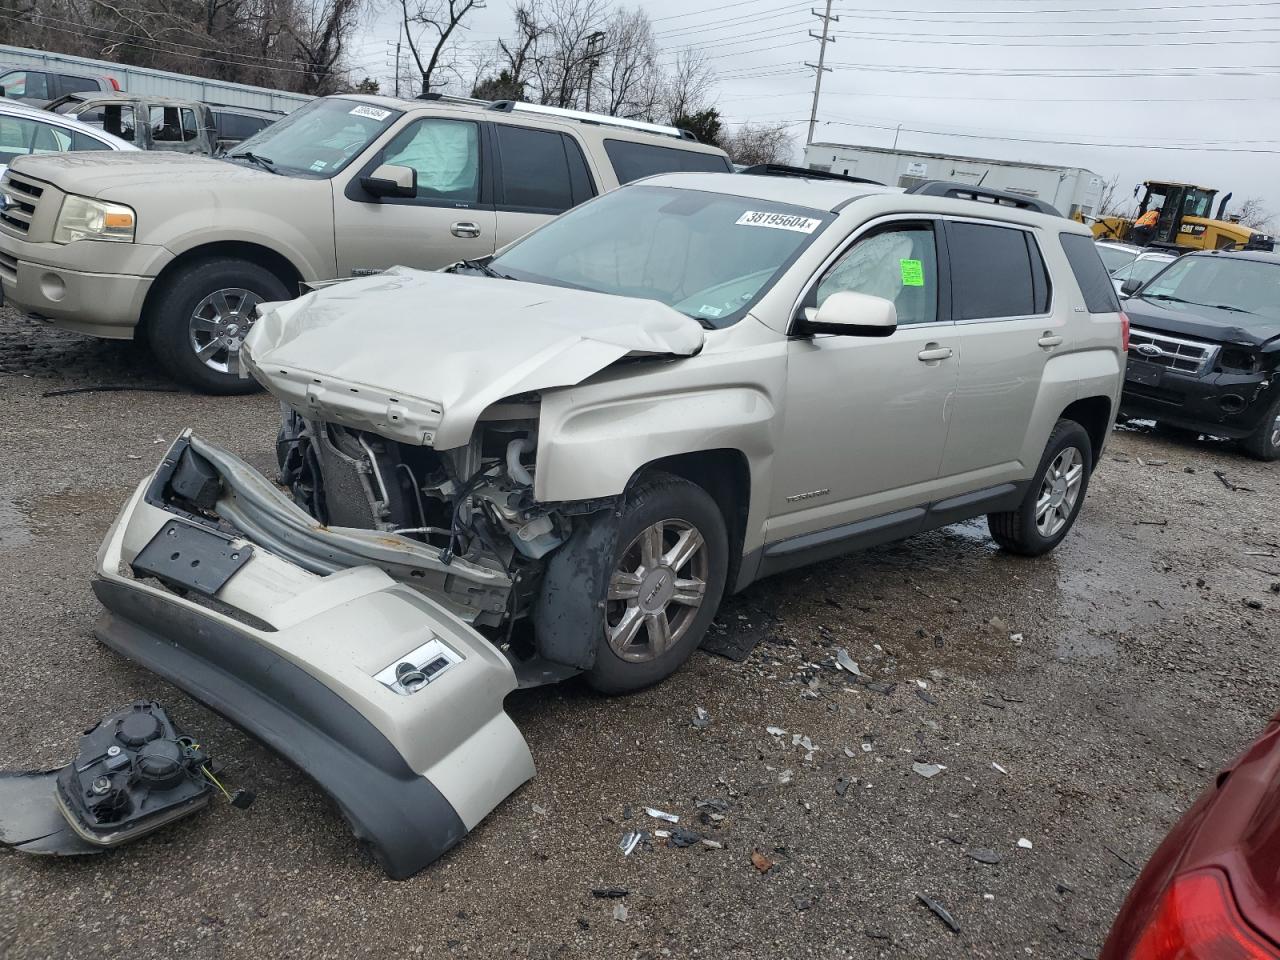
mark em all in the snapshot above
pixel 1255 215
pixel 630 75
pixel 434 22
pixel 1112 202
pixel 758 143
pixel 565 53
pixel 320 35
pixel 688 87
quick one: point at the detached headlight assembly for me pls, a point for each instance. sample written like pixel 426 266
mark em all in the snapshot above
pixel 83 219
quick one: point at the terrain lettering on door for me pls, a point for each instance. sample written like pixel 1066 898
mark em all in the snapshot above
pixel 778 221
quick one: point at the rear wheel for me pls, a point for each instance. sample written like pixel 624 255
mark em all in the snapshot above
pixel 1264 443
pixel 667 580
pixel 199 318
pixel 1053 498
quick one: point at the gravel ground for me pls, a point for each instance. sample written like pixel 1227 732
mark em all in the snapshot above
pixel 1109 681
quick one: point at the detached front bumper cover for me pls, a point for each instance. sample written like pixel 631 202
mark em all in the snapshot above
pixel 307 662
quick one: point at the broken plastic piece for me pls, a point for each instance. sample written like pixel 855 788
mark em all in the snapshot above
pixel 661 815
pixel 941 912
pixel 701 719
pixel 928 770
pixel 846 662
pixel 1024 843
pixel 774 731
pixel 630 840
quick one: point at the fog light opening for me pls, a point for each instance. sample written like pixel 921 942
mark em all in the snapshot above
pixel 1232 403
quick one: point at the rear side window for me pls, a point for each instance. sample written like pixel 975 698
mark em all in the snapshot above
pixel 82 141
pixel 1091 275
pixel 76 84
pixel 631 161
pixel 995 272
pixel 114 118
pixel 173 125
pixel 235 126
pixel 535 169
pixel 26 84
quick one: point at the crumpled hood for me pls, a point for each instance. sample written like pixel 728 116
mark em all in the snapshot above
pixel 417 356
pixel 1204 323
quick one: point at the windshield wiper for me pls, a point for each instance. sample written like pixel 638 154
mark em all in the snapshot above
pixel 481 267
pixel 266 163
pixel 1196 303
pixel 1164 296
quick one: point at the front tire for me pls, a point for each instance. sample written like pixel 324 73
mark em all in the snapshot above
pixel 669 569
pixel 199 318
pixel 1053 498
pixel 1264 443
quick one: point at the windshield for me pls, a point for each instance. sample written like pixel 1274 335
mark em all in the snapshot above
pixel 708 255
pixel 1113 258
pixel 319 138
pixel 1144 268
pixel 1249 286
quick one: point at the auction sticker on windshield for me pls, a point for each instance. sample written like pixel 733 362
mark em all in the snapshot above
pixel 372 113
pixel 778 221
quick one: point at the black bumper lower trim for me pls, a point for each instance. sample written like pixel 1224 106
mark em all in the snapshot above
pixel 406 821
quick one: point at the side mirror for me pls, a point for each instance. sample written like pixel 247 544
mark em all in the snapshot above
pixel 1130 287
pixel 391 180
pixel 851 314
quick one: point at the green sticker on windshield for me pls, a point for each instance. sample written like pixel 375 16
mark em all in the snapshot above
pixel 912 273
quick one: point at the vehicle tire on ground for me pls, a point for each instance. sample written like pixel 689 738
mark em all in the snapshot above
pixel 669 570
pixel 1264 443
pixel 1053 498
pixel 198 319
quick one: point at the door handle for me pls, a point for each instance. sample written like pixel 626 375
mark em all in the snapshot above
pixel 465 228
pixel 1049 341
pixel 933 353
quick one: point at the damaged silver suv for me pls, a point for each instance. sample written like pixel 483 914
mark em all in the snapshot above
pixel 559 460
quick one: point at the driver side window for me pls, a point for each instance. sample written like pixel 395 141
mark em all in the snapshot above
pixel 898 263
pixel 446 155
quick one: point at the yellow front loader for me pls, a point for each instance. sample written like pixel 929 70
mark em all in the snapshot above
pixel 1185 219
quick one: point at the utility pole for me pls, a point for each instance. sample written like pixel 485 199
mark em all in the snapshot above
pixel 595 47
pixel 823 39
pixel 399 36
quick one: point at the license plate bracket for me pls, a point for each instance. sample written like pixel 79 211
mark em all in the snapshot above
pixel 192 557
pixel 1143 373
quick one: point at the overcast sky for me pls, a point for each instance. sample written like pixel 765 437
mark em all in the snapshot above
pixel 1191 89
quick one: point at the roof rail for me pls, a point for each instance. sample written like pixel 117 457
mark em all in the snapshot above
pixel 519 106
pixel 450 98
pixel 968 191
pixel 784 170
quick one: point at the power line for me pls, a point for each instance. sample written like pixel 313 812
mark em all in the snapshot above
pixel 1088 36
pixel 788 11
pixel 723 6
pixel 1261 70
pixel 1003 42
pixel 1022 13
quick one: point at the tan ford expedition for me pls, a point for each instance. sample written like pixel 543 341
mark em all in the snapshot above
pixel 180 250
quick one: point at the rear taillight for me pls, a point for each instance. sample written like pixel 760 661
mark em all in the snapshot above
pixel 115 84
pixel 1197 919
pixel 1124 331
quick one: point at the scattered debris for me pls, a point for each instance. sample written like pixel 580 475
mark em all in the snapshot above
pixel 713 844
pixel 850 752
pixel 846 662
pixel 682 837
pixel 661 815
pixel 1015 639
pixel 802 903
pixel 998 625
pixel 718 804
pixel 876 686
pixel 926 696
pixel 609 893
pixel 785 776
pixel 842 786
pixel 805 742
pixel 761 862
pixel 774 731
pixel 630 840
pixel 620 912
pixel 1024 843
pixel 1233 487
pixel 1064 888
pixel 941 912
pixel 984 855
pixel 927 770
pixel 539 810
pixel 866 747
pixel 701 719
pixel 109 388
pixel 662 834
pixel 990 701
pixel 999 768
pixel 1253 604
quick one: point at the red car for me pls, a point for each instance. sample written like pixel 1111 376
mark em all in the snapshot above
pixel 1212 889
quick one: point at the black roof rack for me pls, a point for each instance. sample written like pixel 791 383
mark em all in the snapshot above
pixel 968 191
pixel 785 170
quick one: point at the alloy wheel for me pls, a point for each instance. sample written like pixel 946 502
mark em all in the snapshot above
pixel 218 326
pixel 656 590
pixel 1059 492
